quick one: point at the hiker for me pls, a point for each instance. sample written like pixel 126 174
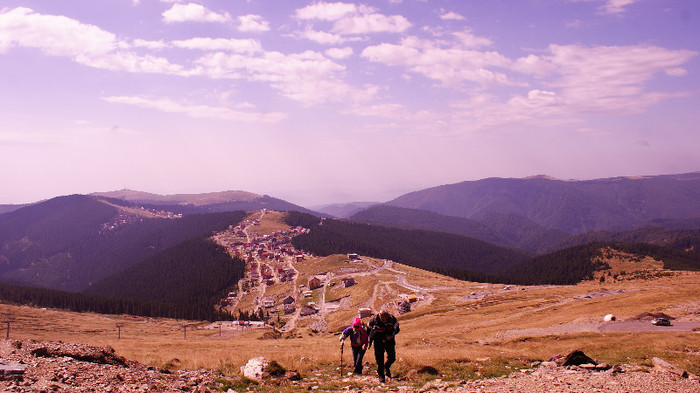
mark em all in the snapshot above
pixel 383 328
pixel 358 342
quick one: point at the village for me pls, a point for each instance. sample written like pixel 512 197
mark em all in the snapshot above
pixel 281 286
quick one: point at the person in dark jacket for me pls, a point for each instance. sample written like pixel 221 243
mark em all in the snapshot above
pixel 383 329
pixel 359 340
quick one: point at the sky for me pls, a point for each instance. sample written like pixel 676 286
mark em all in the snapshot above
pixel 321 102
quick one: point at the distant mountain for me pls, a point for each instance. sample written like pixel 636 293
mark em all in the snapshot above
pixel 343 210
pixel 207 202
pixel 10 208
pixel 69 242
pixel 506 230
pixel 574 207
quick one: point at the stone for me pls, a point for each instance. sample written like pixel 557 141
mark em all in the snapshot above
pixel 665 366
pixel 577 358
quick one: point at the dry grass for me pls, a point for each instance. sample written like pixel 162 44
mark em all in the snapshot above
pixel 272 221
pixel 454 333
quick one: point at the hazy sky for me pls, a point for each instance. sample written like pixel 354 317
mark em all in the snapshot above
pixel 319 102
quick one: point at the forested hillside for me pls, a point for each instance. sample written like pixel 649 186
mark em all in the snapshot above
pixel 505 230
pixel 436 251
pixel 69 242
pixel 196 271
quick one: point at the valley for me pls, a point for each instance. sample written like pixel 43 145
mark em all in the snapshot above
pixel 465 330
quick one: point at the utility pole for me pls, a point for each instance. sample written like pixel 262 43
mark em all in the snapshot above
pixel 119 331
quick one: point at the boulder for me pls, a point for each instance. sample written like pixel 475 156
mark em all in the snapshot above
pixel 577 358
pixel 256 368
pixel 259 368
pixel 665 366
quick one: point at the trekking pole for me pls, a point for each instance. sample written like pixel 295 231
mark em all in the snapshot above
pixel 342 345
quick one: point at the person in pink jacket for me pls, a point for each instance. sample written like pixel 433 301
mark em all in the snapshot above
pixel 358 341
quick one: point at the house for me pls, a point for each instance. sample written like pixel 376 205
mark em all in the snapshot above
pixel 314 282
pixel 306 310
pixel 412 298
pixel 348 282
pixel 289 308
pixel 288 300
pixel 403 307
pixel 268 302
pixel 307 293
pixel 364 312
pixel 353 257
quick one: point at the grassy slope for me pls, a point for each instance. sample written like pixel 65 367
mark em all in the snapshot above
pixel 451 330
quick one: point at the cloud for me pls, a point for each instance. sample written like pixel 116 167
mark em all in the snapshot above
pixel 371 23
pixel 612 79
pixel 326 11
pixel 197 111
pixel 352 19
pixel 307 77
pixel 85 44
pixel 616 7
pixel 54 35
pixel 220 44
pixel 339 53
pixel 139 43
pixel 451 16
pixel 192 12
pixel 577 81
pixel 610 7
pixel 253 23
pixel 321 37
pixel 448 62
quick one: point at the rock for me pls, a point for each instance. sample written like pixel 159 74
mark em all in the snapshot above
pixel 577 358
pixel 665 366
pixel 10 370
pixel 259 368
pixel 292 375
pixel 255 368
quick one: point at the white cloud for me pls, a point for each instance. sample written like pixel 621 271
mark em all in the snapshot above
pixel 612 79
pixel 197 111
pixel 447 62
pixel 339 53
pixel 321 37
pixel 351 19
pixel 577 81
pixel 371 23
pixel 54 35
pixel 451 16
pixel 220 44
pixel 192 12
pixel 326 11
pixel 610 7
pixel 253 23
pixel 307 77
pixel 85 44
pixel 139 43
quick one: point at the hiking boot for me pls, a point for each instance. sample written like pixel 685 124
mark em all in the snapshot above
pixel 387 373
pixel 381 379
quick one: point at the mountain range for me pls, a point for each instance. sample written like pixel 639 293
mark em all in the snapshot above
pixel 489 229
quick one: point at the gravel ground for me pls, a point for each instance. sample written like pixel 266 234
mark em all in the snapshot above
pixel 64 367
